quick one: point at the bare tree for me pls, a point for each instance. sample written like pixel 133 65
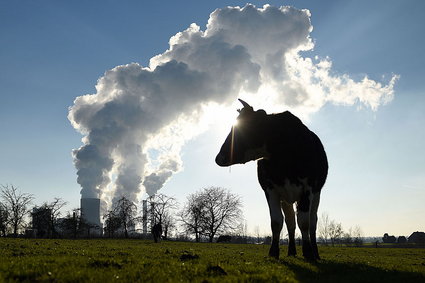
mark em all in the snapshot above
pixel 41 221
pixel 353 236
pixel 242 229
pixel 357 235
pixel 222 211
pixel 168 223
pixel 160 209
pixel 112 223
pixel 160 205
pixel 257 233
pixel 126 211
pixel 323 227
pixel 4 219
pixel 335 232
pixel 348 237
pixel 56 205
pixel 46 216
pixel 73 224
pixel 191 215
pixel 218 209
pixel 16 203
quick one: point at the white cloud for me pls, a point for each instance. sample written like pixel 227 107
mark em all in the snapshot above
pixel 140 117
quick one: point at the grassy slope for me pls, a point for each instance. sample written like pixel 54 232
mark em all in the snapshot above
pixel 137 260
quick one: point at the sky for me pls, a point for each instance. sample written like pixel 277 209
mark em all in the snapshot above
pixel 52 52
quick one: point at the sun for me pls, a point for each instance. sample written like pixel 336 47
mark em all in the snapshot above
pixel 220 117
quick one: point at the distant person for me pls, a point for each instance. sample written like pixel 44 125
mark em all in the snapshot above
pixel 157 232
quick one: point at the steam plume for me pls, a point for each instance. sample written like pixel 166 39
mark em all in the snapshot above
pixel 137 121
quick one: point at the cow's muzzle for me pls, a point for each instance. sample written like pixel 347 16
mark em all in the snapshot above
pixel 221 160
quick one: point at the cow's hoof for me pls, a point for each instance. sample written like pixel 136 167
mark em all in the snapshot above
pixel 292 251
pixel 309 256
pixel 274 254
pixel 308 252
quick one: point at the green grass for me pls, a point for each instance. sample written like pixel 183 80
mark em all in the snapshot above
pixel 140 260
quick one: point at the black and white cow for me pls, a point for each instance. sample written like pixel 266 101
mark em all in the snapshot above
pixel 292 168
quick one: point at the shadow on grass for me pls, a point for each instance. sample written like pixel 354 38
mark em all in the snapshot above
pixel 329 271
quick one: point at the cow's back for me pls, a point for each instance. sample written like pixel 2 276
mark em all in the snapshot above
pixel 295 152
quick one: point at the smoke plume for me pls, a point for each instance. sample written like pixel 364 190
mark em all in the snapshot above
pixel 139 118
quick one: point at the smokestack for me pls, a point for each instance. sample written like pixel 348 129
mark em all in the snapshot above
pixel 90 211
pixel 152 208
pixel 145 216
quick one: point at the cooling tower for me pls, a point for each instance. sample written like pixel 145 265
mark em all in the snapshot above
pixel 90 210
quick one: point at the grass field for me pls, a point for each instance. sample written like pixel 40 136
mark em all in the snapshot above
pixel 106 260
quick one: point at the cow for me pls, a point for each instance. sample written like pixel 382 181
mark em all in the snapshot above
pixel 292 168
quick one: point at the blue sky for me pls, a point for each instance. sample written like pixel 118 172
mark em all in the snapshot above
pixel 55 51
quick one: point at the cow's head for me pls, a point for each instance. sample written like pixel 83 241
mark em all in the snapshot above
pixel 245 141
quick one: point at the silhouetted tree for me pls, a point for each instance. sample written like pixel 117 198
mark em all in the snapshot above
pixel 323 227
pixel 72 225
pixel 16 203
pixel 160 210
pixel 218 209
pixel 191 215
pixel 168 223
pixel 112 223
pixel 44 218
pixel 347 237
pixel 401 240
pixel 82 227
pixel 126 211
pixel 4 218
pixel 41 221
pixel 55 206
pixel 335 232
pixel 389 239
pixel 357 236
pixel 240 235
pixel 257 233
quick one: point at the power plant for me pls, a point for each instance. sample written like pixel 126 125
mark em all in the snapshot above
pixel 90 212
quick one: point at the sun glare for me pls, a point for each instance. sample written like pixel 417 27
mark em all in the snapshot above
pixel 220 117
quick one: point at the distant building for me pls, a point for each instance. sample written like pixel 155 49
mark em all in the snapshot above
pixel 417 237
pixel 90 214
pixel 389 239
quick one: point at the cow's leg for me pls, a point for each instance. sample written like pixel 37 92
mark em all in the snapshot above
pixel 313 224
pixel 303 219
pixel 276 218
pixel 288 210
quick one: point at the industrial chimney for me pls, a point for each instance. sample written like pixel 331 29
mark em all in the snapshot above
pixel 90 212
pixel 145 216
